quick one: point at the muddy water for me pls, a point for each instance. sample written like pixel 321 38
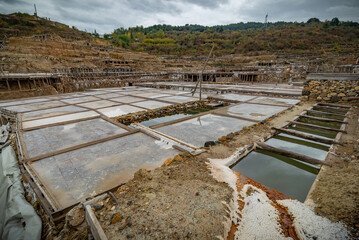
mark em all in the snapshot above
pixel 286 175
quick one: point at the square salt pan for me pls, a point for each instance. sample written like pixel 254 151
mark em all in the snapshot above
pixel 51 139
pixel 178 99
pixel 36 106
pixel 10 103
pixel 205 128
pixel 119 110
pixel 98 104
pixel 254 111
pixel 270 100
pixel 234 97
pixel 109 95
pixel 127 99
pixel 58 119
pixel 149 104
pixel 52 112
pixel 81 99
pixel 73 176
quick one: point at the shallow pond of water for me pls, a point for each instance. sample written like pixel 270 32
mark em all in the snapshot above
pixel 286 175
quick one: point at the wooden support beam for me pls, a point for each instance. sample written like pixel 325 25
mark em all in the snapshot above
pixel 317 127
pixel 324 119
pixel 18 83
pixel 8 85
pixel 330 108
pixel 333 105
pixel 325 113
pixel 306 136
pixel 286 153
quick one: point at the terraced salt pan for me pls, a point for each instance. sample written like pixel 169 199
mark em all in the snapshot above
pixel 109 95
pixel 178 99
pixel 50 139
pixel 149 104
pixel 35 106
pixel 119 110
pixel 205 128
pixel 98 104
pixel 19 102
pixel 52 112
pixel 234 97
pixel 254 111
pixel 128 99
pixel 75 175
pixel 270 100
pixel 81 99
pixel 59 119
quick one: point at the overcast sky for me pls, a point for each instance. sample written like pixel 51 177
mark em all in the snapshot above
pixel 106 15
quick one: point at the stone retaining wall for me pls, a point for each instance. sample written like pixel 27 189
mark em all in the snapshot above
pixel 331 90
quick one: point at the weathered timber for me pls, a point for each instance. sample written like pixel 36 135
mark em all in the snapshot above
pixel 330 108
pixel 333 105
pixel 325 113
pixel 318 127
pixel 114 198
pixel 286 153
pixel 324 119
pixel 306 136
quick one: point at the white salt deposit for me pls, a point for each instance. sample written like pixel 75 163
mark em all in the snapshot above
pixel 310 226
pixel 260 220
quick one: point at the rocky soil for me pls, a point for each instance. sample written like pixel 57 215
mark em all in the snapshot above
pixel 336 192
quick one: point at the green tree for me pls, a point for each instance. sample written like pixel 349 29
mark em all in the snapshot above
pixel 335 22
pixel 313 20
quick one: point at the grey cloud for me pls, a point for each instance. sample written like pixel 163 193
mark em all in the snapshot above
pixel 207 3
pixel 12 2
pixel 107 15
pixel 152 6
pixel 301 10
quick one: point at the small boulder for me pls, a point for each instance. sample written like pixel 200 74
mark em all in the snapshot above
pixel 209 143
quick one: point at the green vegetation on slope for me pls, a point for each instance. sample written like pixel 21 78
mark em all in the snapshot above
pixel 250 38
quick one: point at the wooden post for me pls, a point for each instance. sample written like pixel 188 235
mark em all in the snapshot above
pixel 323 119
pixel 325 113
pixel 318 127
pixel 286 153
pixel 330 108
pixel 306 136
pixel 8 85
pixel 18 83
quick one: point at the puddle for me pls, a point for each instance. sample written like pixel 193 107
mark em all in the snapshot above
pixel 325 116
pixel 320 123
pixel 291 177
pixel 314 132
pixel 299 146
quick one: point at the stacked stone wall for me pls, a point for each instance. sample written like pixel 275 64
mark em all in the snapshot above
pixel 331 90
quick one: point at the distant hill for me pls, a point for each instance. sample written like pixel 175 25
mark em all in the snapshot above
pixel 250 38
pixel 23 24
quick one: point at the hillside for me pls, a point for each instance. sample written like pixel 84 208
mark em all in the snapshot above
pixel 313 37
pixel 31 44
